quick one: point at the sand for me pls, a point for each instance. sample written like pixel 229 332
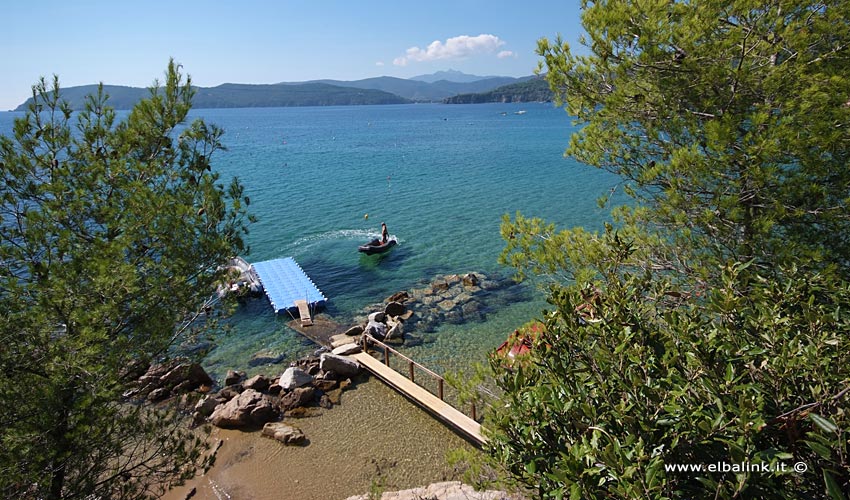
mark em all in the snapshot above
pixel 375 440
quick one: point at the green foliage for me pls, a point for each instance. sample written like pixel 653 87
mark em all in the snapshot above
pixel 724 285
pixel 757 378
pixel 533 90
pixel 111 237
pixel 725 120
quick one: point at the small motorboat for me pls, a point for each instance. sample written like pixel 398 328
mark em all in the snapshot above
pixel 375 246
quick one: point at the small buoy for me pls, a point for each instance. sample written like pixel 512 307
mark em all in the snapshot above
pixel 366 217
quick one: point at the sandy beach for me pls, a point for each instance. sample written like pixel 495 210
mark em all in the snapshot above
pixel 374 441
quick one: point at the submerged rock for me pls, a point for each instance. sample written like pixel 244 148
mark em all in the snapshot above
pixel 233 377
pixel 284 433
pixel 301 396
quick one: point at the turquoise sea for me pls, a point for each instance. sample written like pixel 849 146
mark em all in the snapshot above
pixel 440 176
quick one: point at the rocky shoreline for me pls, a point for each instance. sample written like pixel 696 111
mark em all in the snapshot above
pixel 313 384
pixel 302 390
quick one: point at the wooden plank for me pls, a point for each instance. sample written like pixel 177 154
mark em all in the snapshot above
pixel 445 412
pixel 304 312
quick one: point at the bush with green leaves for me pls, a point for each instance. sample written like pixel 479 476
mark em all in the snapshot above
pixel 723 283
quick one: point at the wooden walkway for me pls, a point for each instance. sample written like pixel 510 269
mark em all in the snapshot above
pixel 434 405
pixel 329 334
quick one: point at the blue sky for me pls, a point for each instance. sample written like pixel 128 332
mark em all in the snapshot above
pixel 255 41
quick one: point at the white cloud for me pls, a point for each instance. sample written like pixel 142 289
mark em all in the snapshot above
pixel 379 63
pixel 505 53
pixel 454 48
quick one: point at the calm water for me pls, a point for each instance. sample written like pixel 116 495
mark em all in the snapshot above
pixel 440 176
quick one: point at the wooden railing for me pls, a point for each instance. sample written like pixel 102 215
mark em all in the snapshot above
pixel 368 340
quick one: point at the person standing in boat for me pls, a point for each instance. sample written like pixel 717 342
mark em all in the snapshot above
pixel 385 235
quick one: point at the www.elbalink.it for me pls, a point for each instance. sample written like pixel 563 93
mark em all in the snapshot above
pixel 738 467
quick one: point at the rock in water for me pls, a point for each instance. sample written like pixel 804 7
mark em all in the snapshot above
pixel 377 317
pixel 302 396
pixel 340 365
pixel 346 349
pixel 286 434
pixel 354 331
pixel 233 377
pixel 248 409
pixel 394 309
pixel 376 329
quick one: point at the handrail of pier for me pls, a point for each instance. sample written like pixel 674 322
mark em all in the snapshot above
pixel 367 339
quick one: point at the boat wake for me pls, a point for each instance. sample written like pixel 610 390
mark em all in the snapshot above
pixel 360 235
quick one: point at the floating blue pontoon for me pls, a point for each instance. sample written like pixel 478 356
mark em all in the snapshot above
pixel 285 283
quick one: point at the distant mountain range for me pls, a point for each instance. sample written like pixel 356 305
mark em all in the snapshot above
pixel 437 87
pixel 450 76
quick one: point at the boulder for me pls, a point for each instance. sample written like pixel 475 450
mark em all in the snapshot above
pixel 158 394
pixel 451 279
pixel 439 286
pixel 394 309
pixel 192 372
pixel 346 349
pixel 233 377
pixel 470 279
pixel 334 396
pixel 345 367
pixel 248 409
pixel 228 393
pixel 446 305
pixel 294 377
pixel 325 385
pixel 377 317
pixel 206 405
pixel 258 382
pixel 354 331
pixel 301 396
pixel 396 332
pixel 284 433
pixel 376 329
pixel 399 297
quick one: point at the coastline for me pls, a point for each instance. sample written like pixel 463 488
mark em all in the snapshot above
pixel 375 440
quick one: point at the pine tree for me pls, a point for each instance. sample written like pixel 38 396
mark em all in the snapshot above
pixel 722 287
pixel 112 231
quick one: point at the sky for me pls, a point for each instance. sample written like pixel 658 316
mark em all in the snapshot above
pixel 257 41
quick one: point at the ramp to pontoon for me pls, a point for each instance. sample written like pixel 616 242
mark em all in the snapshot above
pixel 285 283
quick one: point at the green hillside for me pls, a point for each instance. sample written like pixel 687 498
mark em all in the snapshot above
pixel 533 90
pixel 422 91
pixel 231 95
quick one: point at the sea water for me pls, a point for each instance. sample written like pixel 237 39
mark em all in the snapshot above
pixel 322 179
